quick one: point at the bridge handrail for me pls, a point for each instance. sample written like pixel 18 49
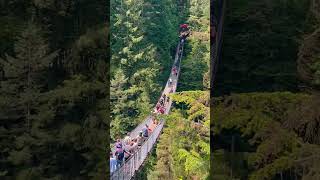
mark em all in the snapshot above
pixel 128 169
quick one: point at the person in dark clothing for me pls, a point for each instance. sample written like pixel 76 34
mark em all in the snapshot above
pixel 140 139
pixel 174 71
pixel 161 102
pixel 120 155
pixel 164 97
pixel 145 131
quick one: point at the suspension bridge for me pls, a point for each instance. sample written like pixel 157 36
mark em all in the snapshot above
pixel 134 163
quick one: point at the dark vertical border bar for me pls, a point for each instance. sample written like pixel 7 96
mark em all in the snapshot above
pixel 217 14
pixel 108 9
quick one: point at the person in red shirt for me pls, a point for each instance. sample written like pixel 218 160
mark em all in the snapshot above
pixel 162 110
pixel 183 26
pixel 184 31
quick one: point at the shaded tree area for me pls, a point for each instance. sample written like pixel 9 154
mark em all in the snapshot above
pixel 267 136
pixel 274 135
pixel 309 52
pixel 53 96
pixel 260 45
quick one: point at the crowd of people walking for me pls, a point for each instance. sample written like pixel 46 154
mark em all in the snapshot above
pixel 128 146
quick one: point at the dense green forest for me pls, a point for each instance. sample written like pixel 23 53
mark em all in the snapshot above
pixel 144 35
pixel 266 108
pixel 53 89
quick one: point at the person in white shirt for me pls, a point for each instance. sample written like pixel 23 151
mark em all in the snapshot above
pixel 113 163
pixel 127 139
pixel 170 81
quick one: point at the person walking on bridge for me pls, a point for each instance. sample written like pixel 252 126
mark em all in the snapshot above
pixel 170 81
pixel 118 144
pixel 161 102
pixel 113 163
pixel 158 106
pixel 134 146
pixel 127 139
pixel 140 139
pixel 153 125
pixel 162 110
pixel 174 71
pixel 183 31
pixel 120 154
pixel 145 131
pixel 183 27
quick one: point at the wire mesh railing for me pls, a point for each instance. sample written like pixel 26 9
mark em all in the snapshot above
pixel 128 169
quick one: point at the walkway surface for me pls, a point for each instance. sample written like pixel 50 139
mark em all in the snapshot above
pixel 128 170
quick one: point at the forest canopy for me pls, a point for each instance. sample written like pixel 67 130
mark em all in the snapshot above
pixel 53 89
pixel 266 104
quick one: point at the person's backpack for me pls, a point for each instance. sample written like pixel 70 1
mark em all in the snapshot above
pixel 120 154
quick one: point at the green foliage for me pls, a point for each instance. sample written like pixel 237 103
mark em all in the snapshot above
pixel 194 68
pixel 275 135
pixel 184 148
pixel 53 90
pixel 316 68
pixel 260 44
pixel 268 135
pixel 141 41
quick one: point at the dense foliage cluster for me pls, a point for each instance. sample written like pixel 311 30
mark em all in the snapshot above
pixel 184 148
pixel 53 89
pixel 268 135
pixel 273 135
pixel 260 44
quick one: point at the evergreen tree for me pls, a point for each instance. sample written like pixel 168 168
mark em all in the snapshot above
pixel 54 116
pixel 25 80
